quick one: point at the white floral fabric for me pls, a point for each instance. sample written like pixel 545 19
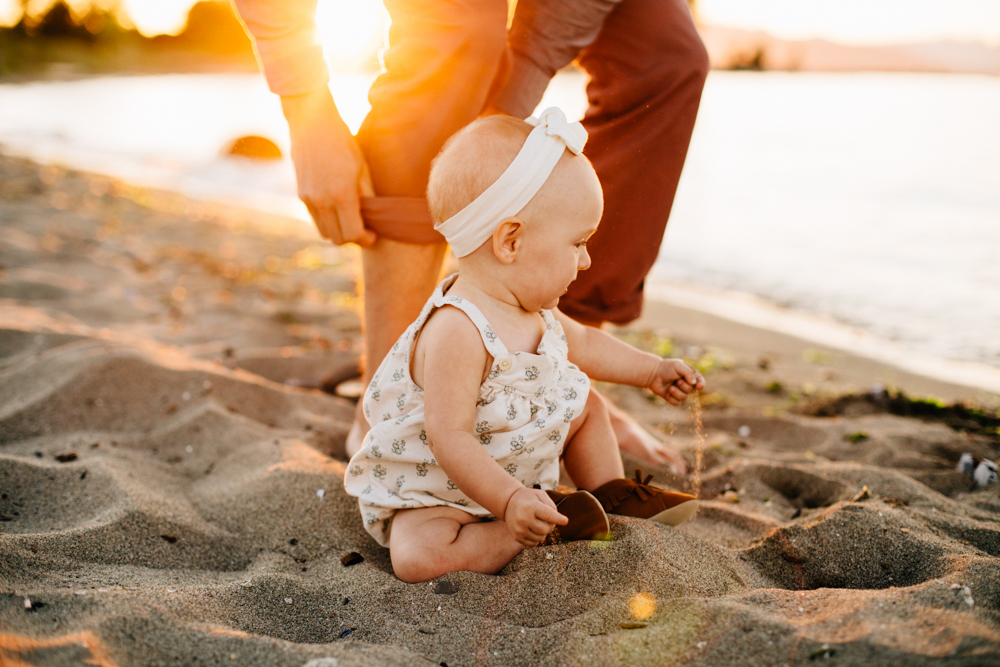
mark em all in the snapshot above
pixel 523 414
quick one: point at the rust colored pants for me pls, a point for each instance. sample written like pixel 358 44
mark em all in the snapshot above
pixel 647 69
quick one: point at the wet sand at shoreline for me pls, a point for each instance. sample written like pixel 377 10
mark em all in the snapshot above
pixel 170 493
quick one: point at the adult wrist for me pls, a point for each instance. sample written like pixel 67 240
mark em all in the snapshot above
pixel 523 89
pixel 306 106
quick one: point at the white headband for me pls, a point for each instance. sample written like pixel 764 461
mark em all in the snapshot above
pixel 469 228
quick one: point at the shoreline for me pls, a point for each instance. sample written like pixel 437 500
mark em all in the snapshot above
pixel 732 316
pixel 693 305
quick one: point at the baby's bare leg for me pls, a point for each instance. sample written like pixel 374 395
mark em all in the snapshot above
pixel 429 542
pixel 591 453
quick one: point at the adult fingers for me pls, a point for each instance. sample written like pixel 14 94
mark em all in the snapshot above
pixel 339 219
pixel 352 227
pixel 318 220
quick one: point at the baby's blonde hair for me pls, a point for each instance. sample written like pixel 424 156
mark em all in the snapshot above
pixel 471 161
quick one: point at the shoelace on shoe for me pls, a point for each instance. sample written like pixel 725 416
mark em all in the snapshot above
pixel 641 489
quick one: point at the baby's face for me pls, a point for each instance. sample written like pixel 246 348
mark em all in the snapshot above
pixel 558 224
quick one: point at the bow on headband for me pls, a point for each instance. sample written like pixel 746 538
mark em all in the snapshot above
pixel 469 228
pixel 554 122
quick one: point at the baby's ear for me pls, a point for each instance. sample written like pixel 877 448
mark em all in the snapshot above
pixel 507 239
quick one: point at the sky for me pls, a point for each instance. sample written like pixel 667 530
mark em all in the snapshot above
pixel 349 25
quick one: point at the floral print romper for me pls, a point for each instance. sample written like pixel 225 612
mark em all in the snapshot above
pixel 523 414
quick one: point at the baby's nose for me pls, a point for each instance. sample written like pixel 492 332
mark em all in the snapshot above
pixel 584 262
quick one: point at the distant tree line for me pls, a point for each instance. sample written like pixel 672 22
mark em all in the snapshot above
pixel 94 40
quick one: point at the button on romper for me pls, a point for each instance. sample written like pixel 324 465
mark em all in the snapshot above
pixel 523 414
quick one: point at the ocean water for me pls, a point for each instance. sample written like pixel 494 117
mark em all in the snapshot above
pixel 870 200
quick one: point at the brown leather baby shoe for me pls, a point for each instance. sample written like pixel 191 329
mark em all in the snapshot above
pixel 587 520
pixel 638 498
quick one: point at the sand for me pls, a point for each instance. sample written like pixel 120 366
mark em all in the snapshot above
pixel 171 486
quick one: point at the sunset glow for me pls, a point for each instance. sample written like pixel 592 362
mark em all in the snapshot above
pixel 349 27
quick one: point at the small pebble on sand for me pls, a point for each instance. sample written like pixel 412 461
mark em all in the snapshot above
pixel 446 588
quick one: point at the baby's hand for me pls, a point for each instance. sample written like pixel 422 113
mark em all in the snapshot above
pixel 531 515
pixel 673 380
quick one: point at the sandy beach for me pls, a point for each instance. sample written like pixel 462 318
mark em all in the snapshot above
pixel 171 479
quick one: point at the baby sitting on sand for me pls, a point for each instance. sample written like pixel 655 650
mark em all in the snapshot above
pixel 488 390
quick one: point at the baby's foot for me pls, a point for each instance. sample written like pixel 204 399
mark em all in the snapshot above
pixel 638 498
pixel 587 520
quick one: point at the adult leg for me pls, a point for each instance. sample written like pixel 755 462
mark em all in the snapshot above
pixel 430 542
pixel 647 69
pixel 441 60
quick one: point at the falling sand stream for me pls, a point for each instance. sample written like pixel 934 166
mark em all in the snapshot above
pixel 699 433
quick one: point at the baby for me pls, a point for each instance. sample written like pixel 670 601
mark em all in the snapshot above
pixel 488 390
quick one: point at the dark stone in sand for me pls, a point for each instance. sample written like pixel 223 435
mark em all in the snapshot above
pixel 254 147
pixel 446 588
pixel 345 632
pixel 67 457
pixel 6 517
pixel 352 558
pixel 169 538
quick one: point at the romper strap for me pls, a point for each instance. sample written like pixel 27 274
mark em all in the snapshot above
pixel 490 339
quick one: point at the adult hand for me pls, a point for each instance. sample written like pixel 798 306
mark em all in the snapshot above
pixel 531 515
pixel 331 172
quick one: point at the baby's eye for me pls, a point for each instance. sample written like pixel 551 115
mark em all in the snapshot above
pixel 581 244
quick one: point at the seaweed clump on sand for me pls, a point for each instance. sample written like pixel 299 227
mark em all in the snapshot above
pixel 959 416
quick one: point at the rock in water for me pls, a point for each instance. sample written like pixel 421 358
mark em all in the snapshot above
pixel 254 147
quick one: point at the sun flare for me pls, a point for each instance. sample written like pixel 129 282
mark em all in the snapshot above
pixel 350 28
pixel 642 606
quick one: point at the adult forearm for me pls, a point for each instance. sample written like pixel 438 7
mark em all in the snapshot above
pixel 300 110
pixel 544 37
pixel 286 42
